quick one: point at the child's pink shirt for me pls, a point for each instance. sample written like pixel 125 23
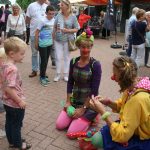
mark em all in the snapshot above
pixel 10 77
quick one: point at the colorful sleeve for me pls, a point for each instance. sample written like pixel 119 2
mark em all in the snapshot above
pixel 10 77
pixel 121 132
pixel 119 104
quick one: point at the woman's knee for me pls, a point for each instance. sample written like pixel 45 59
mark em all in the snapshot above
pixel 78 125
pixel 63 121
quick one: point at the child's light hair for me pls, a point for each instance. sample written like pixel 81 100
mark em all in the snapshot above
pixel 2 53
pixel 13 44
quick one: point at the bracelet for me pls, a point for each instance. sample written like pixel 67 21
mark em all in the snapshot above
pixel 106 115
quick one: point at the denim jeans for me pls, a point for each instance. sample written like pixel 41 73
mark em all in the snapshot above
pixel 129 50
pixel 14 118
pixel 138 54
pixel 35 56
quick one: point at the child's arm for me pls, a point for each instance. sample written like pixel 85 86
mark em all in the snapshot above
pixel 37 38
pixel 12 93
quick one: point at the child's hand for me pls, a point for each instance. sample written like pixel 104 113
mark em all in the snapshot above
pixel 22 104
pixel 66 105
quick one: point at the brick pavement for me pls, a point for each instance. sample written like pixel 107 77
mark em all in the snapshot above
pixel 44 102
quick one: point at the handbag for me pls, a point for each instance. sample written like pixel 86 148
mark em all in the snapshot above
pixel 72 45
pixel 12 32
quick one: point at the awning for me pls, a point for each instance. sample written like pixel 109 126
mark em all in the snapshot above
pixel 93 2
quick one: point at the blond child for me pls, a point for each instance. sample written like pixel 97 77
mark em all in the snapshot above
pixel 13 96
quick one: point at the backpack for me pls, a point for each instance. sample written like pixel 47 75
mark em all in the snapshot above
pixel 92 61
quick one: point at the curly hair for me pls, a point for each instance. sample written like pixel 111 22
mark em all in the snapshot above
pixel 127 70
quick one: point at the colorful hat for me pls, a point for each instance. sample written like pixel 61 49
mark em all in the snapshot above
pixel 87 35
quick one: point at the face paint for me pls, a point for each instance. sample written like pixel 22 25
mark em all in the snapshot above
pixel 113 77
pixel 85 51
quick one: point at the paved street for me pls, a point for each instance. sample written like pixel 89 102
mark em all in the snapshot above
pixel 44 102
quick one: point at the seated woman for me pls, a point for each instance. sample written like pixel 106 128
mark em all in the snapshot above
pixel 132 131
pixel 84 81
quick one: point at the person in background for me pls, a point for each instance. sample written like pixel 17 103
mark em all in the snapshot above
pixel 129 30
pixel 139 29
pixel 65 26
pixel 44 42
pixel 16 22
pixel 147 48
pixel 84 80
pixel 105 32
pixel 35 13
pixel 82 19
pixel 132 130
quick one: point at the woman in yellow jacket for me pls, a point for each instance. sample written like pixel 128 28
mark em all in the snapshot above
pixel 132 131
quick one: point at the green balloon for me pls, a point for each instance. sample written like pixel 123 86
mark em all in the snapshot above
pixel 97 140
pixel 70 111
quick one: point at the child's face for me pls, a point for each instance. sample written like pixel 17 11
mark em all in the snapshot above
pixel 18 56
pixel 50 14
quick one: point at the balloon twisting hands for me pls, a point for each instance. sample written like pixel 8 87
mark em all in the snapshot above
pixel 95 104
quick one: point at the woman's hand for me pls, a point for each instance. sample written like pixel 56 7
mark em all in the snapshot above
pixel 79 112
pixel 96 105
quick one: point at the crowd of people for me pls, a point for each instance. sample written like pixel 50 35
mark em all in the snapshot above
pixel 50 36
pixel 139 37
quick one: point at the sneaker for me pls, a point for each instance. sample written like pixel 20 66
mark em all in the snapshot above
pixel 66 79
pixel 148 65
pixel 43 81
pixel 57 78
pixel 46 78
pixel 2 133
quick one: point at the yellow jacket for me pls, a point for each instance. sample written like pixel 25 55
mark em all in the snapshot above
pixel 134 117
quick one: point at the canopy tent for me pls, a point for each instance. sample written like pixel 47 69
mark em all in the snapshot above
pixel 104 2
pixel 93 2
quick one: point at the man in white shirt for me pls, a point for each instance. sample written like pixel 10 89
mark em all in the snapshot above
pixel 35 12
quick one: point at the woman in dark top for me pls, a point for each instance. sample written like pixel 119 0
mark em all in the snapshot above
pixel 139 28
pixel 84 81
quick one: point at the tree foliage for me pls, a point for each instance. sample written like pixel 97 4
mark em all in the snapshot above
pixel 24 3
pixel 5 2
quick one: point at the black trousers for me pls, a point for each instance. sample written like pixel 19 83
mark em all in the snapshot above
pixel 14 119
pixel 44 55
pixel 28 35
pixel 105 32
pixel 147 51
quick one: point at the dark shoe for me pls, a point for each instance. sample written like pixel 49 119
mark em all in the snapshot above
pixel 123 53
pixel 33 74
